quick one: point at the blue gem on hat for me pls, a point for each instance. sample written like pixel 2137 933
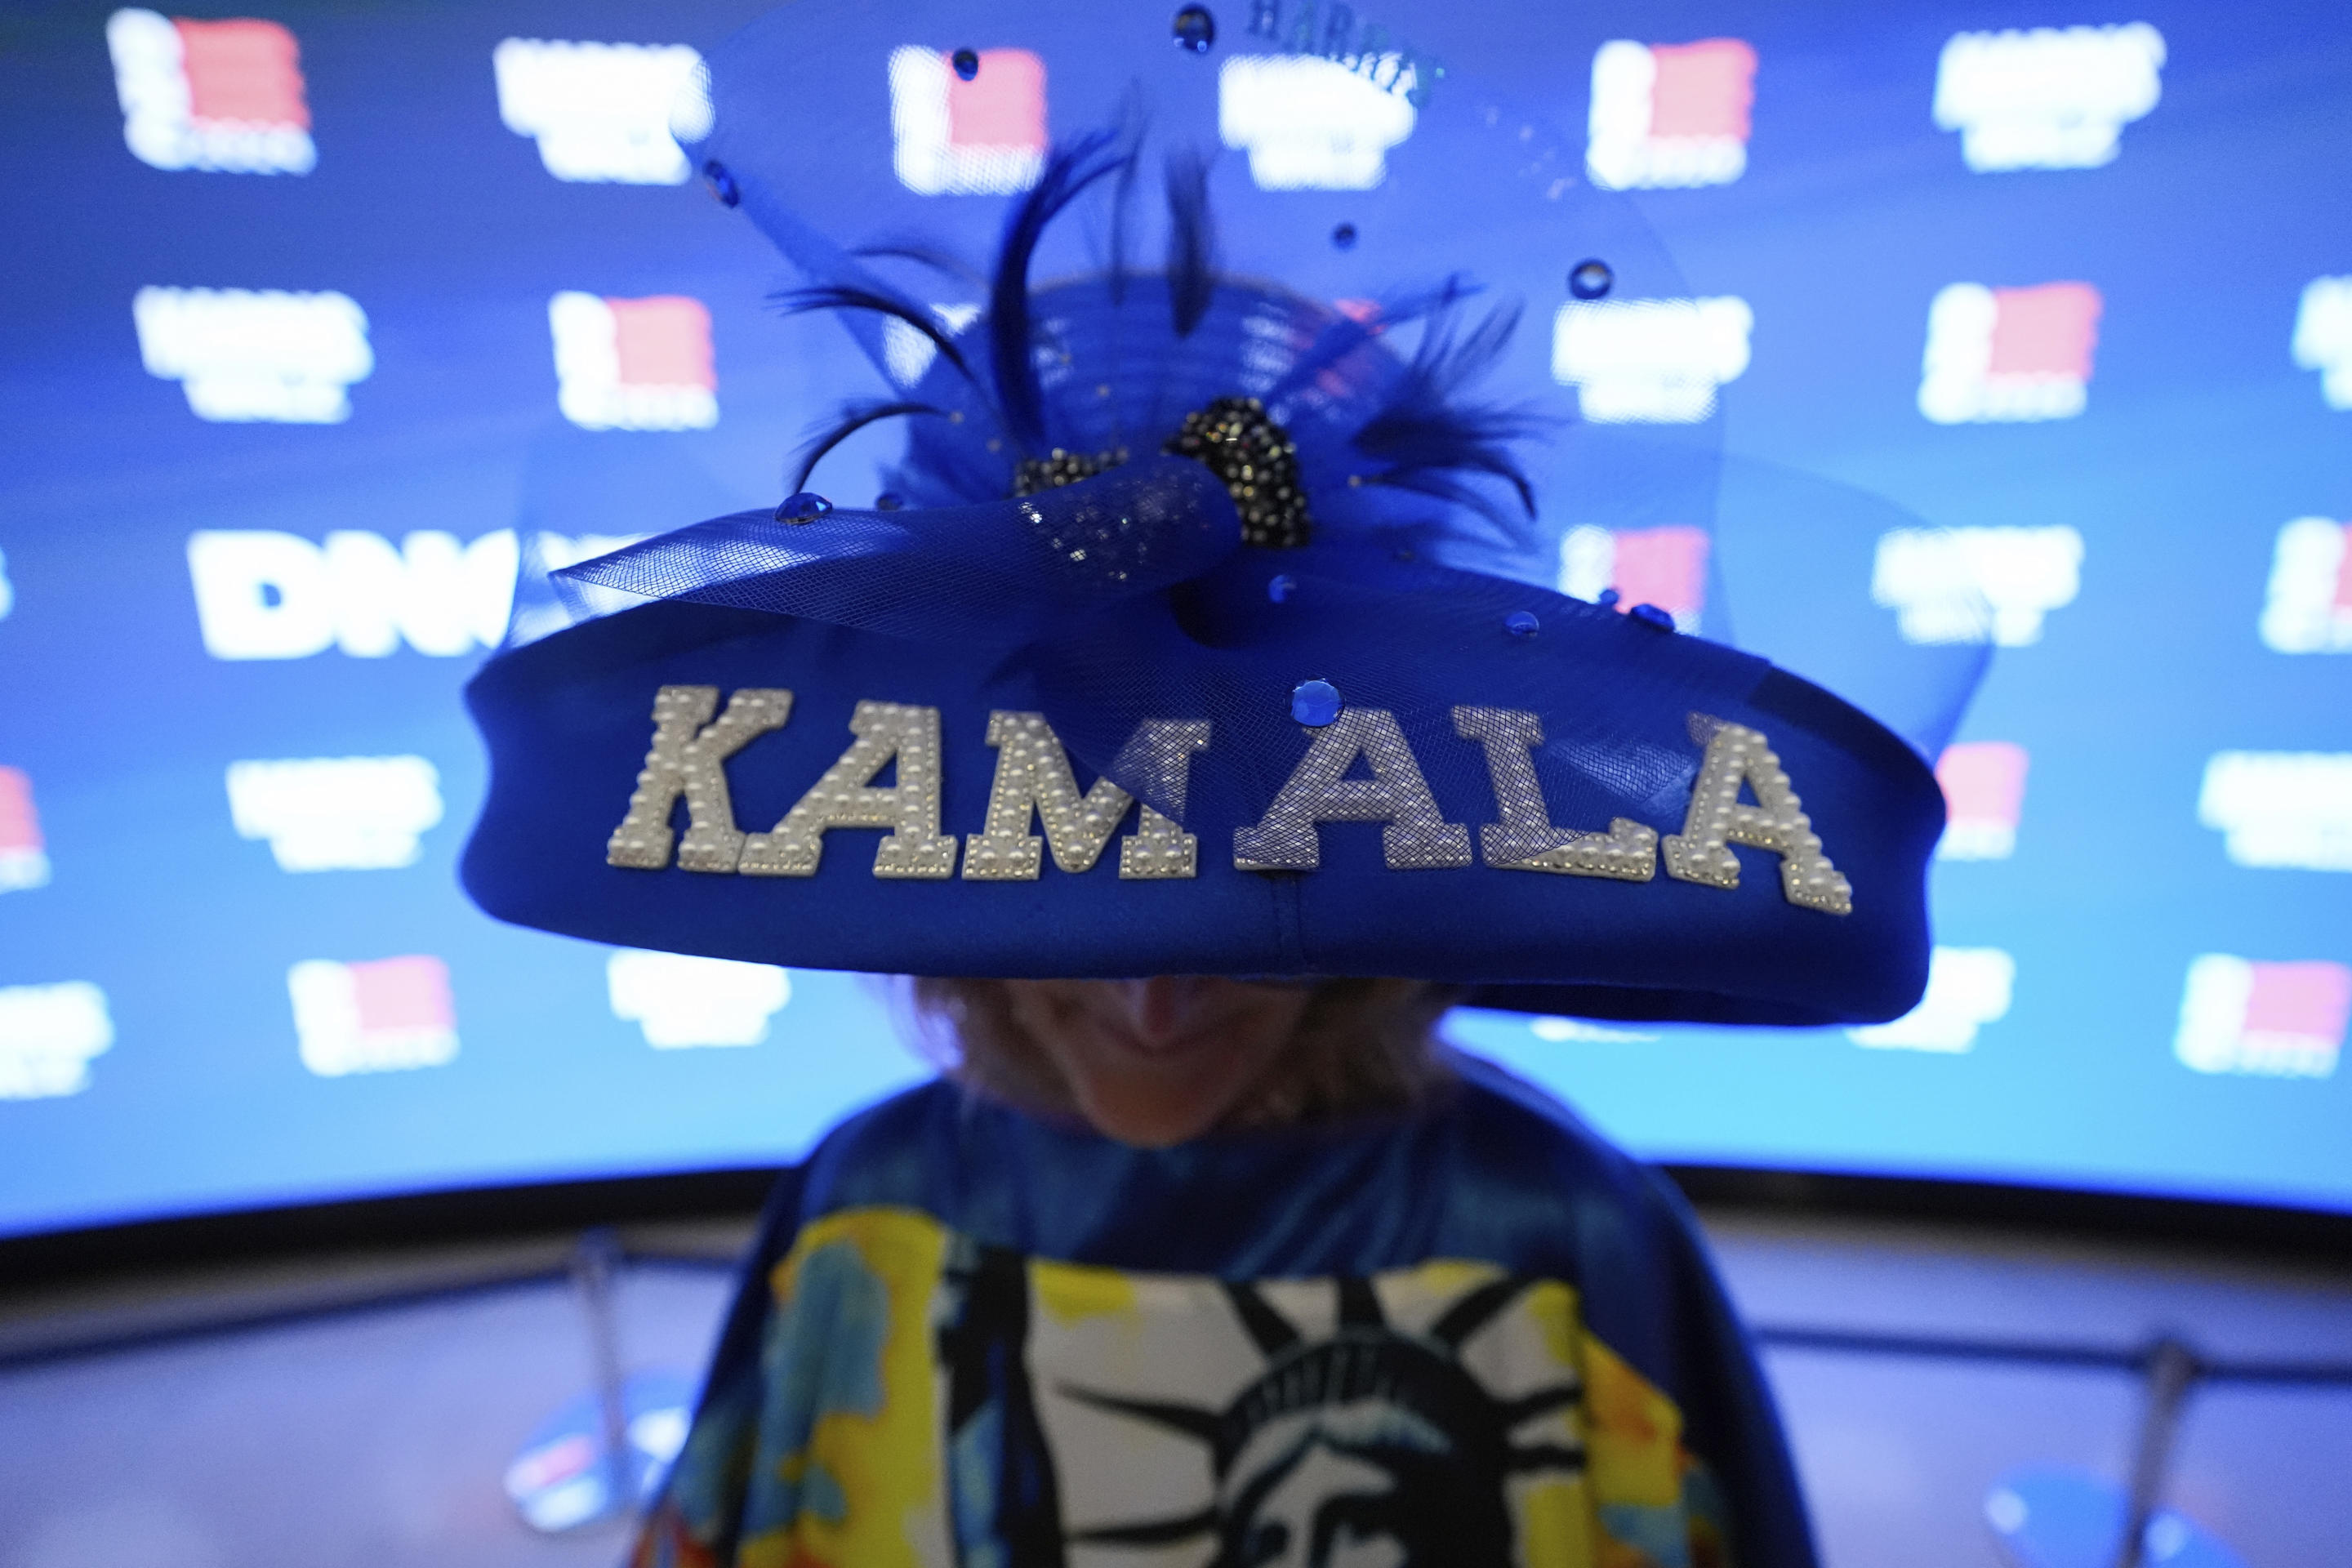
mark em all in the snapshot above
pixel 1195 29
pixel 1315 703
pixel 967 64
pixel 1590 280
pixel 1522 624
pixel 1651 615
pixel 1608 600
pixel 802 506
pixel 1281 587
pixel 722 183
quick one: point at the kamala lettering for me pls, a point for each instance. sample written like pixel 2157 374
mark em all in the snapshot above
pixel 1034 786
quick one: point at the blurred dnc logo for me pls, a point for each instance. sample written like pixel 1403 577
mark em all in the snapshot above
pixel 1649 362
pixel 388 1015
pixel 2000 355
pixel 24 854
pixel 1976 584
pixel 1968 987
pixel 337 813
pixel 1666 115
pixel 2323 337
pixel 1661 566
pixel 220 96
pixel 1984 795
pixel 633 364
pixel 261 593
pixel 2281 810
pixel 2308 606
pixel 2053 97
pixel 682 1001
pixel 973 130
pixel 600 112
pixel 247 354
pixel 2264 1020
pixel 49 1034
pixel 1312 123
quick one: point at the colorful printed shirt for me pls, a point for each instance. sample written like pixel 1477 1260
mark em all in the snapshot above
pixel 1472 1335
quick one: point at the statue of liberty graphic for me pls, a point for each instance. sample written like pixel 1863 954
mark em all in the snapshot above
pixel 1371 1448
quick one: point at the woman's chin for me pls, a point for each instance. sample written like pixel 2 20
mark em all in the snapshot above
pixel 1155 1125
pixel 1158 1093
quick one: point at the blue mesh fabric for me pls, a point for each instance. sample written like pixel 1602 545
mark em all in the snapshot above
pixel 994 575
pixel 1128 597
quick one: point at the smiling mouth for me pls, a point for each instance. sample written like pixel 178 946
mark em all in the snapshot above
pixel 1184 1043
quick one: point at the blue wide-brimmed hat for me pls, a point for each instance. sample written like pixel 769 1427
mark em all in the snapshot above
pixel 1203 626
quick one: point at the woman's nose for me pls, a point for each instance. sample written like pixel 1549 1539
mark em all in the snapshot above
pixel 1160 1007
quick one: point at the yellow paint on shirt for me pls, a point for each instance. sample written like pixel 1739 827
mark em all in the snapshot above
pixel 1072 1292
pixel 886 1463
pixel 1555 1521
pixel 1634 1442
pixel 1553 1306
pixel 1450 1276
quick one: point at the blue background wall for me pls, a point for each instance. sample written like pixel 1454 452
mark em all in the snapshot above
pixel 2200 440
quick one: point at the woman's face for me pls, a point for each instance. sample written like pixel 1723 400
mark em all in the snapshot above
pixel 1155 1062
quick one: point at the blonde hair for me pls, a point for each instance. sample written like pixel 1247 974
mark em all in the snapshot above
pixel 1362 1045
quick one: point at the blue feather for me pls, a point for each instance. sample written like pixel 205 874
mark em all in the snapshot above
pixel 1346 334
pixel 1134 123
pixel 1191 241
pixel 1432 436
pixel 1067 174
pixel 1426 433
pixel 853 419
pixel 844 296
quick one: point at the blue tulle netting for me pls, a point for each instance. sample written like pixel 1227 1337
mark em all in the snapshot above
pixel 1443 466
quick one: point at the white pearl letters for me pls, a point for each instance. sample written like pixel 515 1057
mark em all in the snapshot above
pixel 1033 775
pixel 1716 820
pixel 1417 836
pixel 689 757
pixel 1526 840
pixel 844 797
pixel 1034 783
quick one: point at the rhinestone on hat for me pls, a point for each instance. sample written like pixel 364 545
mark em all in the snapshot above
pixel 1051 473
pixel 1235 439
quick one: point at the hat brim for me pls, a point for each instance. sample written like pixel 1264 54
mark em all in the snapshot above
pixel 567 720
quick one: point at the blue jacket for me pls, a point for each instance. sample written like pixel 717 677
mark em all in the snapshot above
pixel 1471 1334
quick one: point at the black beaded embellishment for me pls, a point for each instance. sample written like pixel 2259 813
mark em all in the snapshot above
pixel 1235 440
pixel 1232 437
pixel 1034 474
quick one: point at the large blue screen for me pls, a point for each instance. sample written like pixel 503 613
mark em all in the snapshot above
pixel 314 321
